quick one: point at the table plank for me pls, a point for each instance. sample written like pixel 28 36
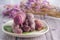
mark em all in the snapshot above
pixel 49 36
pixel 54 27
pixel 57 31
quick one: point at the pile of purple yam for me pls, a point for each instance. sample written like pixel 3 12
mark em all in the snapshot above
pixel 26 23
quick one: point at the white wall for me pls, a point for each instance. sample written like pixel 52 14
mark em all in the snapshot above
pixel 55 2
pixel 9 1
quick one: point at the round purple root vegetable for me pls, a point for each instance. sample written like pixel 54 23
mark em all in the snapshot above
pixel 39 25
pixel 31 20
pixel 17 29
pixel 19 18
pixel 26 28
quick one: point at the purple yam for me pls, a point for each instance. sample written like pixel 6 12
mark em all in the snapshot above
pixel 26 28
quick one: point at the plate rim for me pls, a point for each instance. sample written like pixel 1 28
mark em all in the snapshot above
pixel 25 35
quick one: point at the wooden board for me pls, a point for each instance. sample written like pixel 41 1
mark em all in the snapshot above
pixel 53 34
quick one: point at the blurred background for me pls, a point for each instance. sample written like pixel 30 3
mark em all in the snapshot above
pixel 53 2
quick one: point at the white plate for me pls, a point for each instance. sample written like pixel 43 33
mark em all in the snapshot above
pixel 32 34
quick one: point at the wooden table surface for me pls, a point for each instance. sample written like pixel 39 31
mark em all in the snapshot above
pixel 52 34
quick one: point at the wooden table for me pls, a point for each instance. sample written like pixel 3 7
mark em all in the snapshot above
pixel 52 34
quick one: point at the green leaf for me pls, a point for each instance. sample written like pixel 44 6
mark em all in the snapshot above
pixel 8 28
